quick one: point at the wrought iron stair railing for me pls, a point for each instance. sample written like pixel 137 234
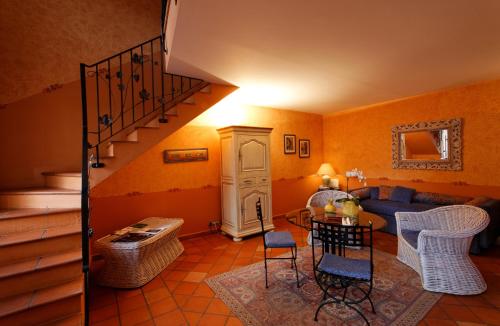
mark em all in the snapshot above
pixel 128 89
pixel 119 93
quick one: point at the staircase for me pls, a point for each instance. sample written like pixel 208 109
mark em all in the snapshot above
pixel 129 104
pixel 40 253
pixel 116 153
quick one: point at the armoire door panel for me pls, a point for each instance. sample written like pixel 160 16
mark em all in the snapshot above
pixel 248 199
pixel 252 154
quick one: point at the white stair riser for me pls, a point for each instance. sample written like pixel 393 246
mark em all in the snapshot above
pixel 153 123
pixel 39 279
pixel 13 201
pixel 206 89
pixel 44 247
pixel 133 136
pixel 189 100
pixel 64 182
pixel 28 223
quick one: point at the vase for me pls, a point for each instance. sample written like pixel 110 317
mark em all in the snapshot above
pixel 351 210
pixel 330 208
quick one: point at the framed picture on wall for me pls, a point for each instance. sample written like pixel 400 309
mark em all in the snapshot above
pixel 289 144
pixel 304 148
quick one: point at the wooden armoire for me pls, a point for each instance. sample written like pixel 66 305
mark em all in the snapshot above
pixel 245 177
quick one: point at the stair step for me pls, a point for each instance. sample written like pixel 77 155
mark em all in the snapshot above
pixel 42 306
pixel 110 149
pixel 21 246
pixel 136 134
pixel 73 320
pixel 40 198
pixel 27 219
pixel 63 180
pixel 189 100
pixel 40 272
pixel 207 89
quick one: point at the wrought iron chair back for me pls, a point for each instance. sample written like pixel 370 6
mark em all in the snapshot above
pixel 260 217
pixel 333 239
pixel 277 240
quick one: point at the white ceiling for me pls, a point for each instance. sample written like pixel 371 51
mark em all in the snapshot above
pixel 327 55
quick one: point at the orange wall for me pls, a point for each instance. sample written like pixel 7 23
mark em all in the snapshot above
pixel 38 134
pixel 148 187
pixel 43 42
pixel 361 138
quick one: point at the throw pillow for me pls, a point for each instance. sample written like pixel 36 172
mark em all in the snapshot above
pixel 402 194
pixel 361 193
pixel 439 199
pixel 384 192
pixel 374 193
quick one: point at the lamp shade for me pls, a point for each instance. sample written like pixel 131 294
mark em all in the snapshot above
pixel 326 169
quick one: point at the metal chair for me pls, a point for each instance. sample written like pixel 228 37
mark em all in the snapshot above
pixel 335 273
pixel 277 240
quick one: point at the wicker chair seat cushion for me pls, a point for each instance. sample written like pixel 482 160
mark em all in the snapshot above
pixel 347 267
pixel 279 240
pixel 411 237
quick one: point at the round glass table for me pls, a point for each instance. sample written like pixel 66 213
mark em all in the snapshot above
pixel 302 217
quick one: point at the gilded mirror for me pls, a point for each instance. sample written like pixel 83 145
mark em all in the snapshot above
pixel 432 145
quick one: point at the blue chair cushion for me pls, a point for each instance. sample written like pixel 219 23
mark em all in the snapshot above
pixel 279 240
pixel 411 237
pixel 347 267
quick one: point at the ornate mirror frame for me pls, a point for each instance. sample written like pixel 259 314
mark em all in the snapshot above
pixel 454 161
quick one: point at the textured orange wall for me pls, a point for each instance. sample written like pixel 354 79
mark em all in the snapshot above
pixel 43 42
pixel 191 190
pixel 362 138
pixel 38 134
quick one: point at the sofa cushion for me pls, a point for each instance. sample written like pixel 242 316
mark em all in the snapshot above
pixel 402 194
pixel 388 207
pixel 373 192
pixel 439 199
pixel 411 237
pixel 384 192
pixel 361 193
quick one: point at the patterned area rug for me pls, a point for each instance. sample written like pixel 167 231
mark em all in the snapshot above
pixel 397 294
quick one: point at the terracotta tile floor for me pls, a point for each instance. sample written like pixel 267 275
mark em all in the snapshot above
pixel 178 296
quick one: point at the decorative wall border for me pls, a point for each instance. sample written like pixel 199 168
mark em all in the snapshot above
pixel 454 161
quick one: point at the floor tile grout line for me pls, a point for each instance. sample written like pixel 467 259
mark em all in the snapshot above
pixel 147 304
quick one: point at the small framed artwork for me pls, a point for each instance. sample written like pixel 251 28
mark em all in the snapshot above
pixel 289 144
pixel 304 148
pixel 185 155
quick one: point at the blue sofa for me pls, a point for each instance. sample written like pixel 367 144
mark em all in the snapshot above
pixel 385 201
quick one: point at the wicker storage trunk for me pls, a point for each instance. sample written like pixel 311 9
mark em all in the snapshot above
pixel 133 264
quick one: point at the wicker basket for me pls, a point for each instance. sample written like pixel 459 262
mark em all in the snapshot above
pixel 133 264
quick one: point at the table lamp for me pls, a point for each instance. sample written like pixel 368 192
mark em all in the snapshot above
pixel 325 171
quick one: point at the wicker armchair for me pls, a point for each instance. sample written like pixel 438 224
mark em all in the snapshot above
pixel 436 243
pixel 320 199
